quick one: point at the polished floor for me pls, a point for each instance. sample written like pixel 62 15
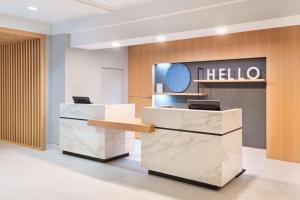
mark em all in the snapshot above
pixel 31 175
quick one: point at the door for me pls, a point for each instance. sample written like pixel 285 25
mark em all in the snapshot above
pixel 112 85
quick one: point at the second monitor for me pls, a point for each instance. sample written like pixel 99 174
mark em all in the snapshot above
pixel 204 104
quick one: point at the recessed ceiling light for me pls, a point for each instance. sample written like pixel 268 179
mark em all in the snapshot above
pixel 161 38
pixel 221 30
pixel 116 44
pixel 32 8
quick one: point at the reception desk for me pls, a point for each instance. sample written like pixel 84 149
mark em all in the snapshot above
pixel 102 144
pixel 194 146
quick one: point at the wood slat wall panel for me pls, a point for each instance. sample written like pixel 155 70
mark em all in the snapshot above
pixel 22 93
pixel 8 36
pixel 281 47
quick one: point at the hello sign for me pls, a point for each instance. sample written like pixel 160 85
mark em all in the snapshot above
pixel 252 73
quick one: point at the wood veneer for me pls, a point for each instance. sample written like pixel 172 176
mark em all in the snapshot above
pixel 8 36
pixel 123 124
pixel 280 46
pixel 22 90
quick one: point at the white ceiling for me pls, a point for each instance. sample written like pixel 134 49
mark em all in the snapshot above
pixel 56 11
pixel 95 24
pixel 141 24
pixel 118 4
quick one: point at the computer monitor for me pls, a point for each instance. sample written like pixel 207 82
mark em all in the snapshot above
pixel 204 105
pixel 82 100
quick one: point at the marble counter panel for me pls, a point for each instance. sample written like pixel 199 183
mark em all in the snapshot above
pixel 118 142
pixel 217 122
pixel 197 145
pixel 77 137
pixel 208 159
pixel 82 111
pixel 97 111
pixel 231 155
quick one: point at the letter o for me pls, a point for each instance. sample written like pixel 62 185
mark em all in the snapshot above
pixel 249 73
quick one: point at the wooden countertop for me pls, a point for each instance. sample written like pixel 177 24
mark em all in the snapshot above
pixel 135 125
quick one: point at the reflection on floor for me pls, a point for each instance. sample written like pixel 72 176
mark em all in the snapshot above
pixel 32 175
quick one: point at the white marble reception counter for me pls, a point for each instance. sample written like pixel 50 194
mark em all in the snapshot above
pixel 77 138
pixel 195 146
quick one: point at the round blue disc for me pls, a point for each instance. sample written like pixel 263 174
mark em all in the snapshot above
pixel 178 78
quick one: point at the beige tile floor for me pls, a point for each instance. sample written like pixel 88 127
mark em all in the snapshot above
pixel 31 175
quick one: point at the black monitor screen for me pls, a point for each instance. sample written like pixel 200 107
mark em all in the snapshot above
pixel 82 100
pixel 204 105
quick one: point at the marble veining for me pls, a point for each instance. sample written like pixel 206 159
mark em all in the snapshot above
pixel 217 122
pixel 82 111
pixel 231 120
pixel 97 111
pixel 77 137
pixel 198 157
pixel 210 159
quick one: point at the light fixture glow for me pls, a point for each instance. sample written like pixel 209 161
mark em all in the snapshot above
pixel 116 44
pixel 161 38
pixel 32 8
pixel 221 30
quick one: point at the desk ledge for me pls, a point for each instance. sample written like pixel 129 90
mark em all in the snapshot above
pixel 123 124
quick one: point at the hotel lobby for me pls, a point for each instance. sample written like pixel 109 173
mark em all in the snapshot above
pixel 149 99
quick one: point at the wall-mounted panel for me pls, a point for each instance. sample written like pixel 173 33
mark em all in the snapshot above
pixel 280 46
pixel 250 96
pixel 22 93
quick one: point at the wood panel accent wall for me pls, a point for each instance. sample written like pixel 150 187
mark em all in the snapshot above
pixel 139 103
pixel 281 47
pixel 22 93
pixel 8 36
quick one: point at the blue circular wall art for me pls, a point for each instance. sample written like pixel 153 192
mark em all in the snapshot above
pixel 178 78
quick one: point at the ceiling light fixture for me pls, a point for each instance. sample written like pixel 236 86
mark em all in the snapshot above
pixel 221 30
pixel 161 38
pixel 116 44
pixel 32 8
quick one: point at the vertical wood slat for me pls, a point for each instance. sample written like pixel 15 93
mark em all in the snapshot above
pixel 22 91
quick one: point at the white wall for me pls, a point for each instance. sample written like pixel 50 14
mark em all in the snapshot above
pixel 55 77
pixel 83 71
pixel 72 72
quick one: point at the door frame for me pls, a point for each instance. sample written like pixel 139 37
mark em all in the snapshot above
pixel 124 71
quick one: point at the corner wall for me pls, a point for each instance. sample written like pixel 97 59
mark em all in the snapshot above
pixel 73 72
pixel 84 68
pixel 55 76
